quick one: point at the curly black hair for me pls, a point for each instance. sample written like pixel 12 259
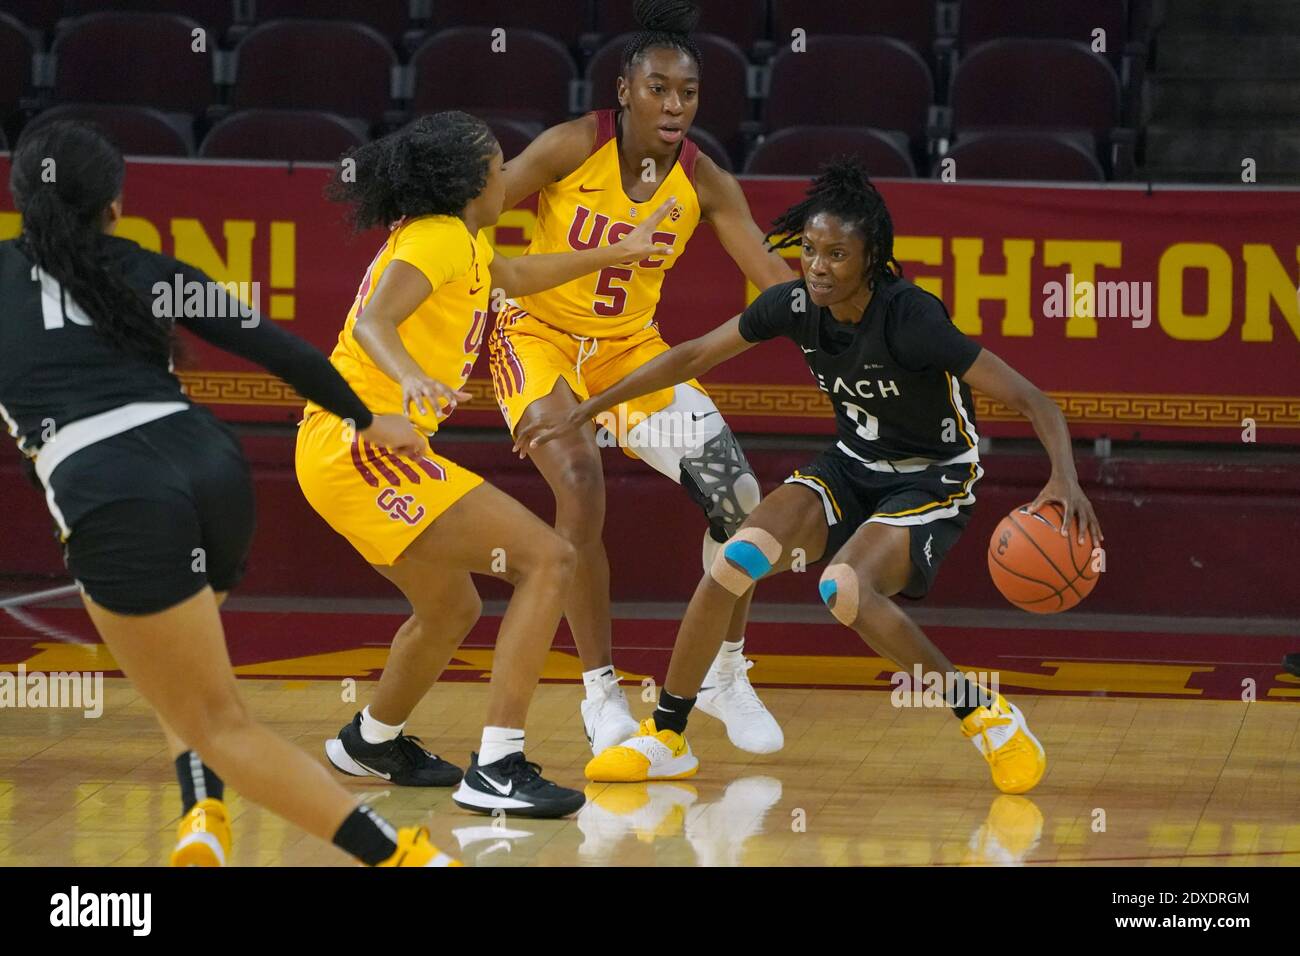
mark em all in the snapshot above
pixel 62 227
pixel 434 165
pixel 664 23
pixel 844 190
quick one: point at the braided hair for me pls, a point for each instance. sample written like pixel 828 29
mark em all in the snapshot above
pixel 664 23
pixel 432 166
pixel 844 190
pixel 65 175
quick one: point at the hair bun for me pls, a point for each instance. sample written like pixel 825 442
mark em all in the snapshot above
pixel 846 172
pixel 667 16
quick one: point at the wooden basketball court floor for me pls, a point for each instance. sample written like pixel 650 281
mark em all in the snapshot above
pixel 1154 758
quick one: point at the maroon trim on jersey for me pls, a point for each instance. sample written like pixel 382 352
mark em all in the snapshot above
pixel 686 159
pixel 606 128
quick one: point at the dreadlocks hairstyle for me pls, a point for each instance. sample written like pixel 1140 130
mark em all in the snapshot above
pixel 844 190
pixel 664 23
pixel 432 166
pixel 64 176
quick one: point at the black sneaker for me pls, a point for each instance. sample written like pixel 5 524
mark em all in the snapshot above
pixel 1292 663
pixel 516 786
pixel 402 761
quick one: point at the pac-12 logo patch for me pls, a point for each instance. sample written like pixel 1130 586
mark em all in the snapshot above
pixel 399 506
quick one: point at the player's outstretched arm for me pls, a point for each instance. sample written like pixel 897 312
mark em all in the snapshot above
pixel 681 363
pixel 998 380
pixel 401 289
pixel 302 366
pixel 723 204
pixel 553 155
pixel 525 275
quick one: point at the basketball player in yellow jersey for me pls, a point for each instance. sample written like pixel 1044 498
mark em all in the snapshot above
pixel 425 523
pixel 599 176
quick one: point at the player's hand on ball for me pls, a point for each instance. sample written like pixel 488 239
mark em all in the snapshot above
pixel 639 243
pixel 425 394
pixel 1075 504
pixel 396 433
pixel 545 427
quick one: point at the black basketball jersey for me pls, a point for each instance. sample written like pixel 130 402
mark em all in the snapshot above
pixel 55 368
pixel 894 378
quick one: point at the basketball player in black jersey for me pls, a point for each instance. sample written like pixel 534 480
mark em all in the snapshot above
pixel 885 502
pixel 151 494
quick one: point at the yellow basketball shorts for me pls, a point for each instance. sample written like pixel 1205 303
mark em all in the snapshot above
pixel 379 500
pixel 527 357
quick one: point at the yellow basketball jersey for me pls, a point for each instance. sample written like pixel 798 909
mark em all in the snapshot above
pixel 589 208
pixel 444 332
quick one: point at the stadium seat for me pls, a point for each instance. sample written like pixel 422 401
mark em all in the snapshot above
pixel 566 20
pixel 37 14
pixel 331 65
pixel 879 82
pixel 390 18
pixel 801 150
pixel 743 22
pixel 16 48
pixel 137 130
pixel 529 80
pixel 983 20
pixel 139 58
pixel 513 135
pixel 1005 83
pixel 724 97
pixel 215 15
pixel 712 147
pixel 911 21
pixel 300 135
pixel 1025 154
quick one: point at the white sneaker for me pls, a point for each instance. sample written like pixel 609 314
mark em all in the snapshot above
pixel 727 695
pixel 605 715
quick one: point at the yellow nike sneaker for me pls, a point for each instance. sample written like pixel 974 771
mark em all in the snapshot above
pixel 414 849
pixel 1015 757
pixel 203 836
pixel 652 754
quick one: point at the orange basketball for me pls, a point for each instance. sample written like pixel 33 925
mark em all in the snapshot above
pixel 1037 569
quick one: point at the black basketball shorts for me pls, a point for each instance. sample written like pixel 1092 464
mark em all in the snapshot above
pixel 154 514
pixel 934 504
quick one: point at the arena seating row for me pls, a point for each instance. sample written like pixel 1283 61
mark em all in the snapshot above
pixel 887 97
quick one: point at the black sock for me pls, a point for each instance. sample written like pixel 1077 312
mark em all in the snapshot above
pixel 965 698
pixel 367 836
pixel 673 712
pixel 198 781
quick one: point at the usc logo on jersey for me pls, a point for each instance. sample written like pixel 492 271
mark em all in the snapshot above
pixel 602 227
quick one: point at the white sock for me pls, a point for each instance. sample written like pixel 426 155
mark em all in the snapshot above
pixel 499 742
pixel 374 732
pixel 733 647
pixel 594 679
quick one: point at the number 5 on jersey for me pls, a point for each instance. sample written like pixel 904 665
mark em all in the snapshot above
pixel 617 295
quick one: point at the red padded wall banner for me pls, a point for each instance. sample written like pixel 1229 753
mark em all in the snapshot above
pixel 1169 315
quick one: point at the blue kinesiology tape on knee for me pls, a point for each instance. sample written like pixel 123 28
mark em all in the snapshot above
pixel 748 558
pixel 828 589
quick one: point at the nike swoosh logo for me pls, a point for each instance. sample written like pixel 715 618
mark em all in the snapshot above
pixel 948 481
pixel 697 416
pixel 386 776
pixel 807 351
pixel 476 291
pixel 510 785
pixel 584 189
